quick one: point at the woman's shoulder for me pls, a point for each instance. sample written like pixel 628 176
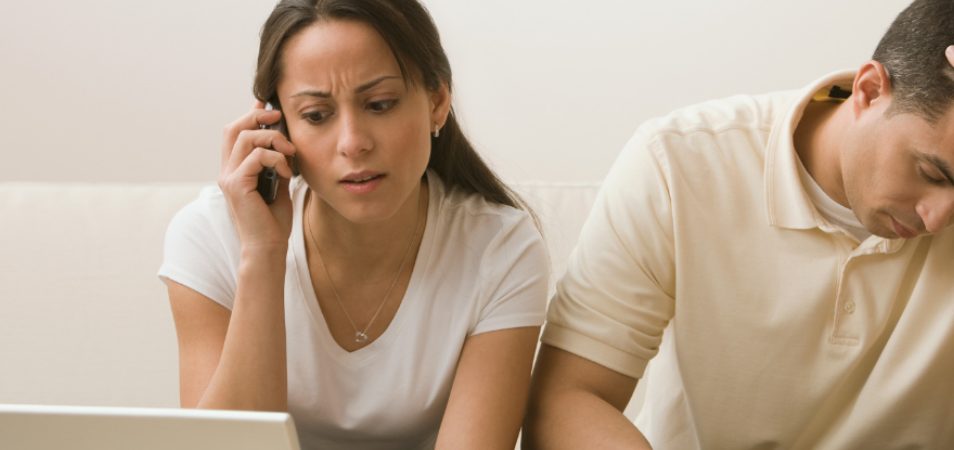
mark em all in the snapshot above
pixel 201 247
pixel 471 221
pixel 207 212
pixel 472 211
pixel 502 253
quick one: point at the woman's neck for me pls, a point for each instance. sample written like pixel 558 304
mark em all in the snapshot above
pixel 364 247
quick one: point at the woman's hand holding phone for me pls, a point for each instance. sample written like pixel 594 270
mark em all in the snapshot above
pixel 247 151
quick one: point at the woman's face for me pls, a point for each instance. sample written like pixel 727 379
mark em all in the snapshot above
pixel 362 133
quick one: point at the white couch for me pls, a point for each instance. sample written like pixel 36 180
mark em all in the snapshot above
pixel 83 318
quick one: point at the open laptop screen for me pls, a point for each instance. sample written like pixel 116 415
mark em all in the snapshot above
pixel 43 427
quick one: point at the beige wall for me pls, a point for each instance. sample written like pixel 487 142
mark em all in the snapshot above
pixel 118 90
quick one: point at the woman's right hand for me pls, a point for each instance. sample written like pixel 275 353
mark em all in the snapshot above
pixel 247 149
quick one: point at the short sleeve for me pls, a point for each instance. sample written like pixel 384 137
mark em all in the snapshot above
pixel 201 248
pixel 617 295
pixel 513 277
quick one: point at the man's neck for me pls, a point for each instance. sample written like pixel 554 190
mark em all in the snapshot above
pixel 818 142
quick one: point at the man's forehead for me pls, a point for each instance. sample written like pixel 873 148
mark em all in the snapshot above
pixel 930 141
pixel 943 148
pixel 944 129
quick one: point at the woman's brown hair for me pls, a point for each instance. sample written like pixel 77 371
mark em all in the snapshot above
pixel 412 35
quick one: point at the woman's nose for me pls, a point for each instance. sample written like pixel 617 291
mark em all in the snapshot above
pixel 354 137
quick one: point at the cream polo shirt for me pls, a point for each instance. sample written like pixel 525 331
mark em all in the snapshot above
pixel 773 328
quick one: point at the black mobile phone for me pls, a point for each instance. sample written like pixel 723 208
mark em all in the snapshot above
pixel 268 184
pixel 268 177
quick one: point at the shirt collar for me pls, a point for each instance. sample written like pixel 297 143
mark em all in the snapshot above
pixel 787 203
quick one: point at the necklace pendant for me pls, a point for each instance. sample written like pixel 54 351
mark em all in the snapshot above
pixel 360 337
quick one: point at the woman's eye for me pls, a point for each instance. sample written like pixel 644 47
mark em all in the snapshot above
pixel 315 116
pixel 382 105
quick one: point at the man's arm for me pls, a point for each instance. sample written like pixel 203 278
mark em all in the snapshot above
pixel 576 403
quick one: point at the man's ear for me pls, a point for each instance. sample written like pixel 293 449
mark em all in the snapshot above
pixel 440 101
pixel 871 88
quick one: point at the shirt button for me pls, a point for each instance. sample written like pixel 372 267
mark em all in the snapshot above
pixel 849 307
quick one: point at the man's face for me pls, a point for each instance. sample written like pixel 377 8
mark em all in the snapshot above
pixel 898 173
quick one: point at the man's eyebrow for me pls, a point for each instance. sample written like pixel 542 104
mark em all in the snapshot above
pixel 363 88
pixel 941 165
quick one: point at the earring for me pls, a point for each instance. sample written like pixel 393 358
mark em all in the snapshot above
pixel 437 131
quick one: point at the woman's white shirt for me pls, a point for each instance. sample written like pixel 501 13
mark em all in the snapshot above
pixel 481 267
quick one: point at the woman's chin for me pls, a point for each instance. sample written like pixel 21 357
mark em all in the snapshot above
pixel 364 213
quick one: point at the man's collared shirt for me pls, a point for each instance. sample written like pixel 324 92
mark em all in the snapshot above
pixel 774 328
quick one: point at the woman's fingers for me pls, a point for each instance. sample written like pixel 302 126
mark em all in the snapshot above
pixel 275 160
pixel 245 177
pixel 248 140
pixel 247 149
pixel 261 158
pixel 255 119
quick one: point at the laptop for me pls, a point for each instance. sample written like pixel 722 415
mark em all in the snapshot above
pixel 42 427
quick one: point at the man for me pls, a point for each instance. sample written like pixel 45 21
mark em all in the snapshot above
pixel 788 258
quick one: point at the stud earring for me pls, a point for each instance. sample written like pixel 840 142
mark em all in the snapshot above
pixel 437 131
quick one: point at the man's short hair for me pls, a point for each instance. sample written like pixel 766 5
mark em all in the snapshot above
pixel 912 51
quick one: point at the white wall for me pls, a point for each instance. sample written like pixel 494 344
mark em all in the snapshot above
pixel 119 90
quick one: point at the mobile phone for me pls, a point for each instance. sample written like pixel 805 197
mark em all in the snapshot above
pixel 268 184
pixel 268 177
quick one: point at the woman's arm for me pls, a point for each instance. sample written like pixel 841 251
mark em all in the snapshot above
pixel 234 360
pixel 237 360
pixel 489 394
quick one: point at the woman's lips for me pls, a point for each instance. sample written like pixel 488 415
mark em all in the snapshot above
pixel 361 182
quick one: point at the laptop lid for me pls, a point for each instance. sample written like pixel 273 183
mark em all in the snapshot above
pixel 43 427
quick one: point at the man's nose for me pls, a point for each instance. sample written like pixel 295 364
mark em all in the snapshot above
pixel 937 211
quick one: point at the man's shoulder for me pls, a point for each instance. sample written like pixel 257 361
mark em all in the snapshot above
pixel 756 113
pixel 702 137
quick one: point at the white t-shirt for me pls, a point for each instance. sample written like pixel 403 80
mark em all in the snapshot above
pixel 481 267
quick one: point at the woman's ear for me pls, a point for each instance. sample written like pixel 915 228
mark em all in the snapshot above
pixel 440 102
pixel 871 88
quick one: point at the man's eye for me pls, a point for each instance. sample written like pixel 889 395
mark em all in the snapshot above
pixel 382 105
pixel 931 177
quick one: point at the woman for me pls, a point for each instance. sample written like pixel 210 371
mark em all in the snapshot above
pixel 391 295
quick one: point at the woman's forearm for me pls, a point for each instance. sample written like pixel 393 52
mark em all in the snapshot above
pixel 251 373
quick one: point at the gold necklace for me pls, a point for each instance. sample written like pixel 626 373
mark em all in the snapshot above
pixel 361 336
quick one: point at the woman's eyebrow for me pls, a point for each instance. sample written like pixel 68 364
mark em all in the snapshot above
pixel 362 88
pixel 366 86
